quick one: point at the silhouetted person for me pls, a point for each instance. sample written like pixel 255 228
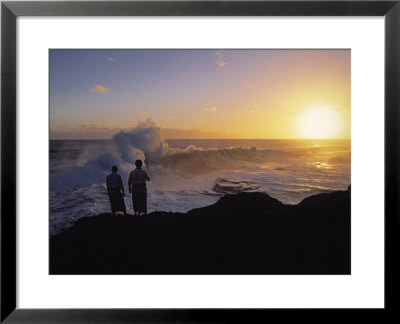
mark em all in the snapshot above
pixel 137 185
pixel 116 191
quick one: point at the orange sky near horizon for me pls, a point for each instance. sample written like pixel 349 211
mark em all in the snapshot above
pixel 271 94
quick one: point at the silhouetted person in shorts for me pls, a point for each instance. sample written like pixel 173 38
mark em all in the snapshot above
pixel 116 191
pixel 137 185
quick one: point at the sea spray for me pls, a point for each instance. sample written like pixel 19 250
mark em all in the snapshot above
pixel 142 142
pixel 139 143
pixel 145 142
pixel 92 172
pixel 187 174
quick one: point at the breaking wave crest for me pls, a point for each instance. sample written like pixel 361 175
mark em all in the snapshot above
pixel 146 143
pixel 198 160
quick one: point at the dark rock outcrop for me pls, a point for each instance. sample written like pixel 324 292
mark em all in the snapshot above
pixel 245 233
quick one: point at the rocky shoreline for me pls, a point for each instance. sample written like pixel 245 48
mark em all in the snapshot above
pixel 244 233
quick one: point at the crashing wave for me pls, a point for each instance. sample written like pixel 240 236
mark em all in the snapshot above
pixel 146 143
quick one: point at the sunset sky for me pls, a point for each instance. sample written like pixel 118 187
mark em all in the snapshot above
pixel 215 93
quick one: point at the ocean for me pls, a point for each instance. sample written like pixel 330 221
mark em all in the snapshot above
pixel 190 173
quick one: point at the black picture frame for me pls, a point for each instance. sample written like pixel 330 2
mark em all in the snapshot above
pixel 10 10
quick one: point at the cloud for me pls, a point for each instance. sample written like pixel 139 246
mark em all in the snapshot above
pixel 94 128
pixel 253 110
pixel 171 117
pixel 186 133
pixel 94 131
pixel 84 131
pixel 141 113
pixel 221 63
pixel 213 109
pixel 86 126
pixel 110 59
pixel 99 89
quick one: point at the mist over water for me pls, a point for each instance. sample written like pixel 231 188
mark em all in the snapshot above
pixel 187 174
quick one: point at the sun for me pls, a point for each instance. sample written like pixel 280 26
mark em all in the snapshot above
pixel 319 123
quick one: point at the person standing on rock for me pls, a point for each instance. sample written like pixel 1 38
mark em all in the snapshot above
pixel 116 191
pixel 137 186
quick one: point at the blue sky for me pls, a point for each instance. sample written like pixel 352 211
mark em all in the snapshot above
pixel 211 93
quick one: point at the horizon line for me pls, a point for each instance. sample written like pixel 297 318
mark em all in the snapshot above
pixel 278 139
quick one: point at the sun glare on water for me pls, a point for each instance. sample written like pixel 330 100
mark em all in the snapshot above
pixel 319 123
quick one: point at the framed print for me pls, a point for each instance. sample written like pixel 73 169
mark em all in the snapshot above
pixel 196 161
